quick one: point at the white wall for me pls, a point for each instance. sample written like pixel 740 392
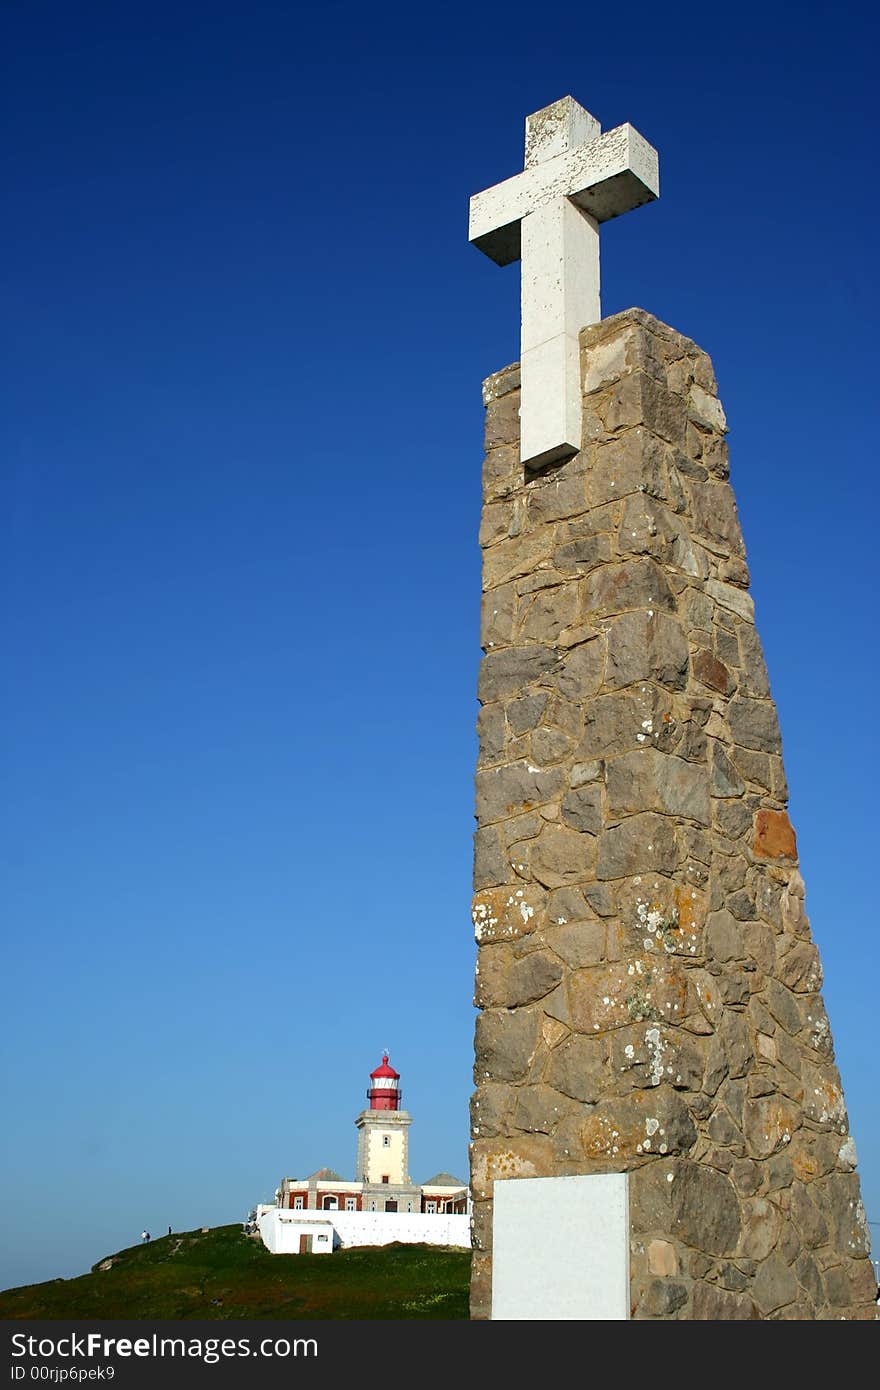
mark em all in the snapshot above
pixel 281 1229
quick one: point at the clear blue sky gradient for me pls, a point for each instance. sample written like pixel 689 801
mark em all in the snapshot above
pixel 241 580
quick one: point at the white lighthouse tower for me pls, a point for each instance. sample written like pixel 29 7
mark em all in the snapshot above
pixel 383 1145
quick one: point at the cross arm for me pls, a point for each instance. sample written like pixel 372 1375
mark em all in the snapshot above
pixel 609 176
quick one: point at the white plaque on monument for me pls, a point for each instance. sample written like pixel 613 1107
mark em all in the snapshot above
pixel 561 1248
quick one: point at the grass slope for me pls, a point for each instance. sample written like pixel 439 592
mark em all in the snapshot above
pixel 223 1273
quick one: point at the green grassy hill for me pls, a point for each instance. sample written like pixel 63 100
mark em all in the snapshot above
pixel 223 1273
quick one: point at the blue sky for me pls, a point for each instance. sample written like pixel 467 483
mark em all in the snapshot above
pixel 240 570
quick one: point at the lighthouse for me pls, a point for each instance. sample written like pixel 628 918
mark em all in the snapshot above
pixel 383 1145
pixel 312 1215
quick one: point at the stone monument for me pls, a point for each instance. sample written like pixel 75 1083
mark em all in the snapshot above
pixel 657 1121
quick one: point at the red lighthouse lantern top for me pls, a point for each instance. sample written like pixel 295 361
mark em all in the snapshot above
pixel 384 1092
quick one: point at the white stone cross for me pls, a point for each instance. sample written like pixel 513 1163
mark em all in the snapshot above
pixel 548 216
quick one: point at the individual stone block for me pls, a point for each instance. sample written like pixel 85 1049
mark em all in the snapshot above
pixel 582 809
pixel 489 1107
pixel 498 616
pixel 567 905
pixel 711 672
pixel 714 511
pixel 639 844
pixel 526 713
pixel 726 781
pixel 724 938
pixel 599 898
pixel 606 361
pixel 800 969
pixel 550 746
pixel 769 1124
pixel 539 1109
pixel 714 453
pixel 579 675
pixel 502 420
pixel 561 495
pixel 564 714
pixel 649 780
pixel 808 1218
pixel 498 518
pixel 504 1044
pixel 637 583
pixel 602 520
pixel 582 554
pixel 619 723
pixel 516 556
pixel 522 828
pixel 656 913
pixel 643 1122
pixel 577 943
pixel 783 1006
pixel 503 791
pixel 490 863
pixel 545 577
pixel 578 1069
pixel 706 410
pixel 774 836
pixel 731 598
pixel 727 650
pixel 713 1304
pixel 492 732
pixel 501 473
pixel 756 768
pixel 576 634
pixel 842 1204
pixel 548 613
pixel 649 1054
pixel 838 1285
pixel 705 1208
pixel 755 680
pixel 639 399
pixel 561 856
pixel 508 672
pixel 697 1202
pixel 501 914
pixel 774 1285
pixel 499 384
pixel 649 527
pixel 632 462
pixel 505 982
pixel 662 1258
pixel 733 570
pixel 614 996
pixel 647 645
pixel 660 1298
pixel 754 724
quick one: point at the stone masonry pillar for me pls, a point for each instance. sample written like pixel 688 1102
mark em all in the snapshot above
pixel 647 983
